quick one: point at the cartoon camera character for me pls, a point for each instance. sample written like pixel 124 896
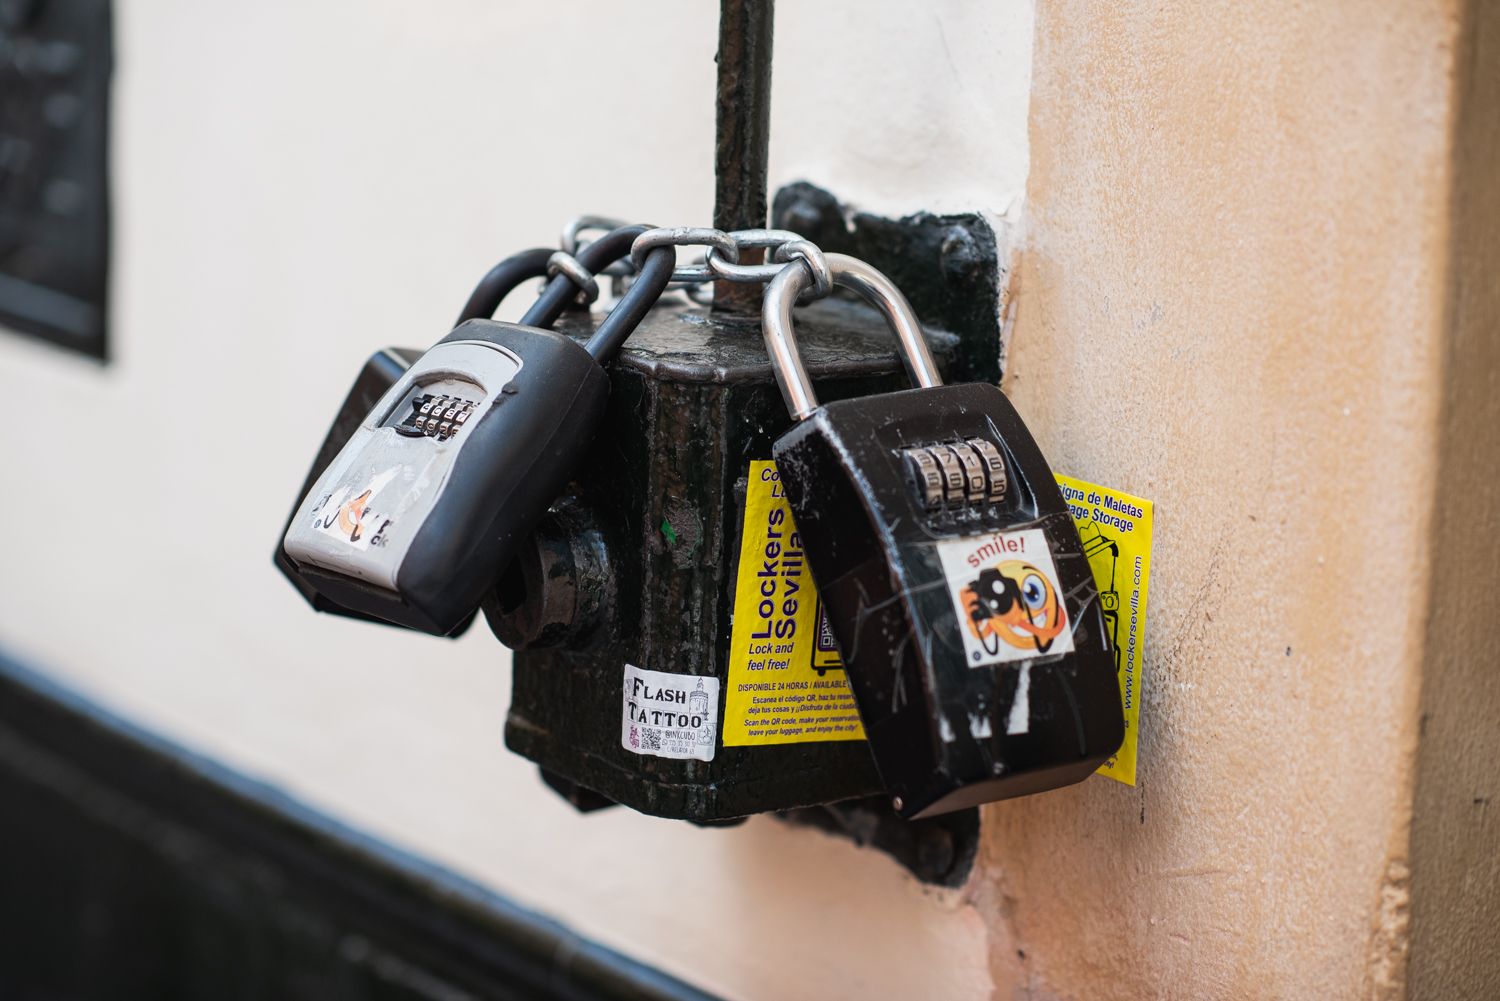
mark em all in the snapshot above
pixel 1013 602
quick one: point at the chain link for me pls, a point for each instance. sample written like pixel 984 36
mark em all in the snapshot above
pixel 565 263
pixel 817 265
pixel 750 239
pixel 572 243
pixel 685 236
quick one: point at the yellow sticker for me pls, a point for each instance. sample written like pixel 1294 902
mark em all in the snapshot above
pixel 786 682
pixel 1116 531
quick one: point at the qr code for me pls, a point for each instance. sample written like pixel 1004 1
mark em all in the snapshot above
pixel 651 740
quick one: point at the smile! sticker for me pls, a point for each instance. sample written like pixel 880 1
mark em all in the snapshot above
pixel 1005 593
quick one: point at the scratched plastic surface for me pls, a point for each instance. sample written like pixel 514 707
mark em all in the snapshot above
pixel 948 732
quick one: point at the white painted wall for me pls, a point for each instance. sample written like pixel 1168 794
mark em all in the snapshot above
pixel 298 184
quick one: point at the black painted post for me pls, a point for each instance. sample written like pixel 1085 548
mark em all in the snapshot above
pixel 743 137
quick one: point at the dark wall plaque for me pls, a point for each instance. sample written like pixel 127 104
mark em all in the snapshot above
pixel 56 58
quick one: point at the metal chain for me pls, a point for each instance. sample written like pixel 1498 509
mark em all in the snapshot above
pixel 686 236
pixel 751 239
pixel 785 249
pixel 720 261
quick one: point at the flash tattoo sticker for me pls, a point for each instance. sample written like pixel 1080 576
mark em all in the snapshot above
pixel 1005 593
pixel 669 715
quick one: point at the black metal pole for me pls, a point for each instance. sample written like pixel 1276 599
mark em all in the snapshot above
pixel 743 137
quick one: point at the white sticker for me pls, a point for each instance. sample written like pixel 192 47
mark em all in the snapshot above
pixel 346 513
pixel 1005 592
pixel 669 715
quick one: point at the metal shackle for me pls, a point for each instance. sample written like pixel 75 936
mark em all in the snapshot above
pixel 872 286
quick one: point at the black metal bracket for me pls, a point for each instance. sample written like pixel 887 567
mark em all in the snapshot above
pixel 688 376
pixel 940 850
pixel 948 266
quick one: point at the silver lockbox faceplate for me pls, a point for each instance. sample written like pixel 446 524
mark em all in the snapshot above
pixel 360 517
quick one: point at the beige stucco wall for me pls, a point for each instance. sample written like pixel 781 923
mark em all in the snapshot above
pixel 1234 300
pixel 1455 942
